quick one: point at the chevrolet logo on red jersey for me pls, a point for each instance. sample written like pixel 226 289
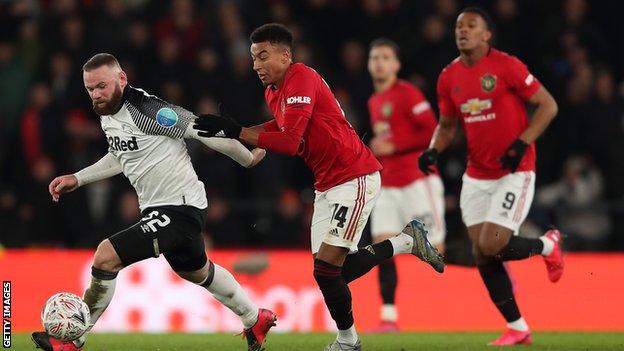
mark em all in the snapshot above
pixel 298 100
pixel 475 106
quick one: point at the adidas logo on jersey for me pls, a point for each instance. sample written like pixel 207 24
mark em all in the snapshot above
pixel 117 144
pixel 221 134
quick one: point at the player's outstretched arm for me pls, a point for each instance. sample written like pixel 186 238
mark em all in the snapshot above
pixel 106 167
pixel 229 147
pixel 250 135
pixel 258 155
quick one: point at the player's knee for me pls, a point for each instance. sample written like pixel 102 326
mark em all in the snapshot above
pixel 106 258
pixel 489 247
pixel 331 254
pixel 324 271
pixel 193 277
pixel 198 276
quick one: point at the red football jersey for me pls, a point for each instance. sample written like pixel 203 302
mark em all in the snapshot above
pixel 309 118
pixel 489 97
pixel 403 116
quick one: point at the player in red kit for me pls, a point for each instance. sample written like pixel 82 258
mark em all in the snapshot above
pixel 309 122
pixel 486 90
pixel 403 123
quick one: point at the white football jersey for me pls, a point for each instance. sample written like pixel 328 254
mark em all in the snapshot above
pixel 146 137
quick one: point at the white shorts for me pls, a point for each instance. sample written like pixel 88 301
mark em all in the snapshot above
pixel 341 213
pixel 505 201
pixel 423 199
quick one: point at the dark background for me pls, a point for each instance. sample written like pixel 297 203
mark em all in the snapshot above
pixel 196 54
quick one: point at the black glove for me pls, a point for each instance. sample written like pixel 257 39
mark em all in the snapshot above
pixel 217 125
pixel 427 160
pixel 512 157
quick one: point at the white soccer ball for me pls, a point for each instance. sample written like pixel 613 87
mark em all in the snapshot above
pixel 65 316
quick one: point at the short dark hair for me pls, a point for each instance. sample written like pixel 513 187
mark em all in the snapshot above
pixel 387 43
pixel 484 15
pixel 274 33
pixel 99 60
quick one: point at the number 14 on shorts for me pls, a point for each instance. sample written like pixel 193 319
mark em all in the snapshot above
pixel 340 215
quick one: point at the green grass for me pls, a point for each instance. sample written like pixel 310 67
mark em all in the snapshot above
pixel 316 342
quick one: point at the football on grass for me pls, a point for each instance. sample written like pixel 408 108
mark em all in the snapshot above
pixel 65 316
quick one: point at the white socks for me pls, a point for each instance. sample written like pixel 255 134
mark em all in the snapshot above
pixel 520 325
pixel 348 336
pixel 389 313
pixel 97 296
pixel 401 244
pixel 549 245
pixel 228 291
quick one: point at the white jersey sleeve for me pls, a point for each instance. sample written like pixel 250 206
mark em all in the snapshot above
pixel 105 167
pixel 229 147
pixel 154 116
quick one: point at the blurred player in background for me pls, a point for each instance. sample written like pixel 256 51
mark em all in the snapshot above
pixel 403 123
pixel 486 90
pixel 145 137
pixel 309 122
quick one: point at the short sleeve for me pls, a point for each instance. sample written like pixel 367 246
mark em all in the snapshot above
pixel 520 79
pixel 445 103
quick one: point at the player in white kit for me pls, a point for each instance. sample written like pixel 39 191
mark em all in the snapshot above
pixel 145 136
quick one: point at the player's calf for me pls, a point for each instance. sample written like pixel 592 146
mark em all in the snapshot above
pixel 99 293
pixel 412 240
pixel 224 287
pixel 337 298
pixel 359 263
pixel 499 242
pixel 106 265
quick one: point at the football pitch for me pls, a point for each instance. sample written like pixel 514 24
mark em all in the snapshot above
pixel 316 342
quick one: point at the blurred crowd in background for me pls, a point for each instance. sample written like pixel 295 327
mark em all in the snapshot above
pixel 196 54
